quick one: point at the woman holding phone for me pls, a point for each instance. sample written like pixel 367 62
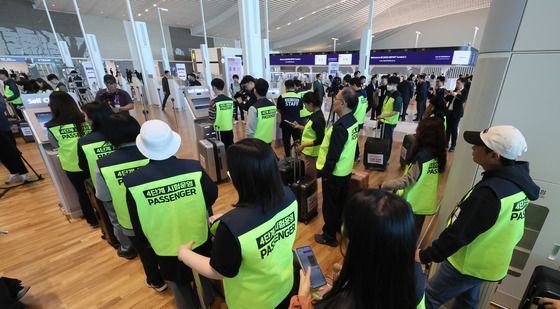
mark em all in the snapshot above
pixel 313 133
pixel 252 250
pixel 379 269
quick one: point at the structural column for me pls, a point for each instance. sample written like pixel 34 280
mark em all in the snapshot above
pixel 365 44
pixel 513 46
pixel 251 43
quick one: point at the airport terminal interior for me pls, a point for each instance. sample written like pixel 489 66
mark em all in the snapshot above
pixel 279 154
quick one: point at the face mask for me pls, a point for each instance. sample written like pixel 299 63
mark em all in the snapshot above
pixel 391 87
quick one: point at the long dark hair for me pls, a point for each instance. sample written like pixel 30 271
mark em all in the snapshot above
pixel 438 107
pixel 379 266
pixel 97 113
pixel 120 128
pixel 65 111
pixel 430 136
pixel 254 172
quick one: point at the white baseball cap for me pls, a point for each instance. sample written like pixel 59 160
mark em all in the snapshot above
pixel 157 141
pixel 507 141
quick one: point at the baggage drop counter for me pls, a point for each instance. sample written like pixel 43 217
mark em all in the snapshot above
pixel 37 113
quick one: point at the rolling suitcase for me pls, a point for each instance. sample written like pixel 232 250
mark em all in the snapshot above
pixel 204 130
pixel 545 282
pixel 288 167
pixel 305 190
pixel 406 147
pixel 212 155
pixel 358 181
pixel 102 217
pixel 375 152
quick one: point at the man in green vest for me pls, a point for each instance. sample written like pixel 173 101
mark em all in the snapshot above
pixel 335 163
pixel 289 104
pixel 261 117
pixel 56 83
pixel 392 107
pixel 11 92
pixel 169 200
pixel 220 112
pixel 486 225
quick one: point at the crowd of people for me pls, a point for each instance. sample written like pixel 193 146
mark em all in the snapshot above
pixel 160 206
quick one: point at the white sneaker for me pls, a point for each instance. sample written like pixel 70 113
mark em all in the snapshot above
pixel 25 178
pixel 244 122
pixel 235 122
pixel 14 178
pixel 157 288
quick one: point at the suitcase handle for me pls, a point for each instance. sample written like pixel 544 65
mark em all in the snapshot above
pixel 294 163
pixel 382 131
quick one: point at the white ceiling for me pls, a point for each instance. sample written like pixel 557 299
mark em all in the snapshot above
pixel 295 25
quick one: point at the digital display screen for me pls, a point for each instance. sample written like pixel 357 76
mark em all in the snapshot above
pixel 307 259
pixel 43 118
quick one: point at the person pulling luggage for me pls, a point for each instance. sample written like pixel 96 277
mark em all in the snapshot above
pixel 335 161
pixel 392 106
pixel 220 112
pixel 169 200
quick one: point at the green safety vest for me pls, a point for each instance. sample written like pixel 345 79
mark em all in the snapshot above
pixel 488 256
pixel 422 303
pixel 8 93
pixel 93 152
pixel 266 273
pixel 309 135
pixel 346 161
pixel 224 116
pixel 422 195
pixel 444 121
pixel 388 108
pixel 303 112
pixel 66 136
pixel 113 176
pixel 172 212
pixel 266 118
pixel 361 109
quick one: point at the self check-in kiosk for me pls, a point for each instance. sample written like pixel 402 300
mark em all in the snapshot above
pixel 198 99
pixel 37 113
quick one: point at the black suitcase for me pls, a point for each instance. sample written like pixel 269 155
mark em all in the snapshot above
pixel 305 190
pixel 407 144
pixel 375 152
pixel 545 282
pixel 101 214
pixel 288 169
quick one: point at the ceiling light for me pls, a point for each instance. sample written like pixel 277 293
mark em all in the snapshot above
pixel 278 28
pixel 146 10
pixel 288 24
pixel 301 18
pixel 163 9
pixel 139 14
pixel 328 7
pixel 313 12
pixel 155 5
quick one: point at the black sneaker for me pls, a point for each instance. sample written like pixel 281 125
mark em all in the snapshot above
pixel 21 293
pixel 326 240
pixel 452 149
pixel 128 254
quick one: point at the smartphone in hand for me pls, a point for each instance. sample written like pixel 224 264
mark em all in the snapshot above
pixel 307 259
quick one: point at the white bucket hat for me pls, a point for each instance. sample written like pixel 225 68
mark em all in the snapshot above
pixel 157 141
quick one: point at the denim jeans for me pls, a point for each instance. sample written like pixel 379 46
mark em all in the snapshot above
pixel 449 284
pixel 125 242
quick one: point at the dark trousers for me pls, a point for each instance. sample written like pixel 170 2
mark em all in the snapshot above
pixel 334 196
pixel 419 223
pixel 8 292
pixel 10 155
pixel 406 102
pixel 165 100
pixel 420 108
pixel 452 128
pixel 77 179
pixel 388 134
pixel 360 127
pixel 227 138
pixel 237 107
pixel 289 133
pixel 148 259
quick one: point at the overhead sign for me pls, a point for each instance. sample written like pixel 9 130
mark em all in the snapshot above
pixel 43 60
pixel 426 57
pixel 12 59
pixel 40 100
pixel 333 68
